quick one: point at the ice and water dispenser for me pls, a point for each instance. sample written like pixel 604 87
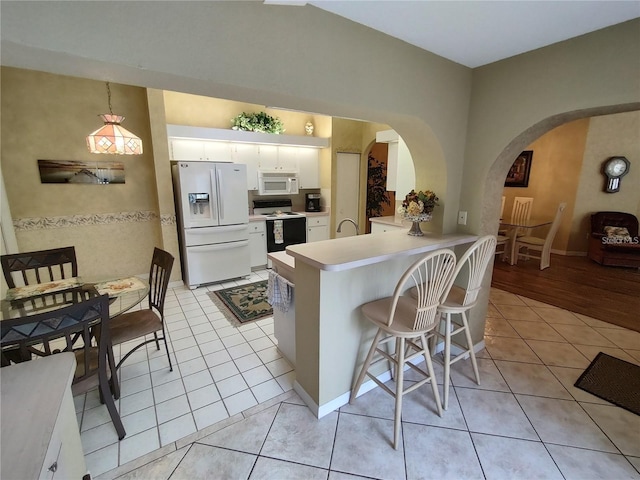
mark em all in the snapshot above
pixel 200 204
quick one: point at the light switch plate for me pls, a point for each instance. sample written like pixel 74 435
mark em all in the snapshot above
pixel 462 218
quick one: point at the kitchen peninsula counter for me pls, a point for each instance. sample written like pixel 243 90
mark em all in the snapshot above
pixel 333 278
pixel 360 250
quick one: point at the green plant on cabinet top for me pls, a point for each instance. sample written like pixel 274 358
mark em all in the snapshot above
pixel 257 122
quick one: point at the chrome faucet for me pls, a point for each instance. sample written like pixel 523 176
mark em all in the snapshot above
pixel 349 220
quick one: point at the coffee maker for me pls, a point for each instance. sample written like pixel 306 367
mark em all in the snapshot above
pixel 312 202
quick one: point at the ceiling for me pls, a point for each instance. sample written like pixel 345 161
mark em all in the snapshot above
pixel 475 33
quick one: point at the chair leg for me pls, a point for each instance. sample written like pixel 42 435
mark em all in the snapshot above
pixel 113 381
pixel 392 366
pixel 436 333
pixel 155 337
pixel 434 383
pixel 166 346
pixel 365 366
pixel 105 393
pixel 397 422
pixel 467 334
pixel 447 358
pixel 545 259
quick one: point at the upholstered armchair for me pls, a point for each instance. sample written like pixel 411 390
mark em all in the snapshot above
pixel 614 239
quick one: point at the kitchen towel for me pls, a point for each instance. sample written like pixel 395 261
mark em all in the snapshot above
pixel 278 231
pixel 279 291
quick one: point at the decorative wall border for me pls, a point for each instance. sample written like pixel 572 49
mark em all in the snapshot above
pixel 167 219
pixel 44 223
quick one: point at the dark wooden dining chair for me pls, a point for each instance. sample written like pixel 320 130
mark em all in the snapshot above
pixel 81 327
pixel 148 321
pixel 40 266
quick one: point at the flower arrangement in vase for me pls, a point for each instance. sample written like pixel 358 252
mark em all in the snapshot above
pixel 418 207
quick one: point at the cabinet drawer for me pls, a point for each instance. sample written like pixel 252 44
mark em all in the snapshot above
pixel 381 228
pixel 257 227
pixel 317 221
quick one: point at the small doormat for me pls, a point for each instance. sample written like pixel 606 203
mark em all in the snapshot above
pixel 614 380
pixel 244 303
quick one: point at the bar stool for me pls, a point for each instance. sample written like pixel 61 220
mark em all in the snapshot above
pixel 408 321
pixel 459 300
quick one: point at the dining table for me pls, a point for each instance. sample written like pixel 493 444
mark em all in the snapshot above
pixel 31 327
pixel 124 294
pixel 22 302
pixel 514 227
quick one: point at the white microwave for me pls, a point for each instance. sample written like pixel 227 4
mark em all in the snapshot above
pixel 277 182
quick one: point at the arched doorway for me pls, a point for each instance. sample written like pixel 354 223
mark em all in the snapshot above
pixel 576 283
pixel 494 181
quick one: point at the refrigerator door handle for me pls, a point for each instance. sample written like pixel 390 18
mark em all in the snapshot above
pixel 215 205
pixel 219 192
pixel 222 229
pixel 219 246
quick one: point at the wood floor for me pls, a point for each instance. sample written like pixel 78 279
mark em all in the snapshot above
pixel 578 284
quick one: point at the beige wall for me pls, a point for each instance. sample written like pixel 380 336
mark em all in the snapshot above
pixel 463 127
pixel 567 166
pixel 423 97
pixel 555 174
pixel 608 136
pixel 200 111
pixel 47 116
pixel 517 100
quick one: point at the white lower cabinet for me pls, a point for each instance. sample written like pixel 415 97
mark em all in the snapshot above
pixel 317 228
pixel 381 227
pixel 257 244
pixel 39 419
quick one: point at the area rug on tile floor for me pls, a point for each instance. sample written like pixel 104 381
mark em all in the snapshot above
pixel 614 380
pixel 244 303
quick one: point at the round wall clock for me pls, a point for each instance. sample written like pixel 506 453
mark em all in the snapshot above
pixel 614 169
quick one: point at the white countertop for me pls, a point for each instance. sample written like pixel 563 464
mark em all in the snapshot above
pixel 32 394
pixel 352 252
pixel 322 213
pixel 282 257
pixel 262 218
pixel 283 264
pixel 391 220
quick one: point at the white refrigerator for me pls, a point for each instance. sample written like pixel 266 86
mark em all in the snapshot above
pixel 213 221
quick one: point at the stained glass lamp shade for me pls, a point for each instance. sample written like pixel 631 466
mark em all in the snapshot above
pixel 114 138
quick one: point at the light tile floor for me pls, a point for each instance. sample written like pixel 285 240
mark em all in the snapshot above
pixel 525 420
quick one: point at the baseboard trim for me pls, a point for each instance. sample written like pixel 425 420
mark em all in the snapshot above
pixel 568 253
pixel 322 410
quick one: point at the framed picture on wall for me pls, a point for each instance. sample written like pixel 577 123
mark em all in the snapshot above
pixel 518 175
pixel 80 172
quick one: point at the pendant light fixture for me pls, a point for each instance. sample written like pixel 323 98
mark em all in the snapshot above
pixel 112 137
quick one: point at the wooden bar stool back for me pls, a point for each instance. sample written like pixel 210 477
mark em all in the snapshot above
pixel 408 321
pixel 460 299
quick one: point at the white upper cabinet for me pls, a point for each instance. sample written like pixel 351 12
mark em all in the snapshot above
pixel 247 154
pixel 236 136
pixel 308 167
pixel 255 150
pixel 205 150
pixel 272 157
